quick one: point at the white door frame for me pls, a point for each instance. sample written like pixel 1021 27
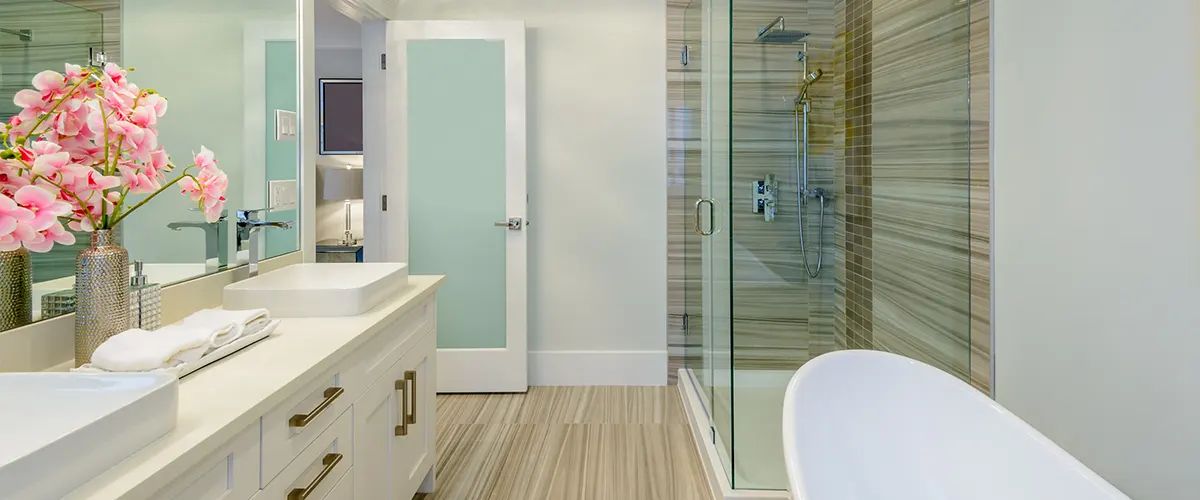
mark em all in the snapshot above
pixel 503 369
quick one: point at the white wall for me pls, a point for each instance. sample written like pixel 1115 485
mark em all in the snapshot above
pixel 1097 233
pixel 597 187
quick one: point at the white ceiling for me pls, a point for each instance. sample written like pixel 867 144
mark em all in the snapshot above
pixel 334 30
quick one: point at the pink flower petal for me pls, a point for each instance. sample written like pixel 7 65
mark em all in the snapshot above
pixel 8 224
pixel 33 196
pixel 27 99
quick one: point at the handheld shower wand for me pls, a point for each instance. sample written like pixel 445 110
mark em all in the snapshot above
pixel 809 79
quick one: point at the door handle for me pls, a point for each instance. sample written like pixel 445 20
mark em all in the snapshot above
pixel 711 218
pixel 513 224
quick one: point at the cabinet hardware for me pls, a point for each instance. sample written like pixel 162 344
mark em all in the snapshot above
pixel 330 462
pixel 402 387
pixel 411 376
pixel 303 419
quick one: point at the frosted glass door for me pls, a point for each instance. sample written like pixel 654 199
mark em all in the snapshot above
pixel 459 105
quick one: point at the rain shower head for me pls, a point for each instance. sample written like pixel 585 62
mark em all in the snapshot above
pixel 779 35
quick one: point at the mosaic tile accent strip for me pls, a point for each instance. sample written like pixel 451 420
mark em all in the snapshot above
pixel 858 269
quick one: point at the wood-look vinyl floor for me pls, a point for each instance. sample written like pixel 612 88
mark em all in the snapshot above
pixel 563 443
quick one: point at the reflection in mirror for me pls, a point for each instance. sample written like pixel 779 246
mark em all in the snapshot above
pixel 229 71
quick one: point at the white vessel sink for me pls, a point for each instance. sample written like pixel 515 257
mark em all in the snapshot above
pixel 319 290
pixel 59 430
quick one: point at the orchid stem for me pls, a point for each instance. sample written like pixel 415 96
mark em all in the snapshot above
pixel 126 213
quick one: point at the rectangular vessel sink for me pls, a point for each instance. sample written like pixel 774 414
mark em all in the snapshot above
pixel 319 290
pixel 59 430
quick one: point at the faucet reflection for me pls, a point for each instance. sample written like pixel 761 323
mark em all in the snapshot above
pixel 214 249
pixel 249 227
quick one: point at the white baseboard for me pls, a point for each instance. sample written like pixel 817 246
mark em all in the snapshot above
pixel 598 367
pixel 710 456
pixel 481 370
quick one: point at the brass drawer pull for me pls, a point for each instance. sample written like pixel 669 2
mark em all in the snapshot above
pixel 411 376
pixel 303 419
pixel 402 429
pixel 330 462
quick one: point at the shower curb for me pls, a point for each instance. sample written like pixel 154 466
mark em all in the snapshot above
pixel 718 484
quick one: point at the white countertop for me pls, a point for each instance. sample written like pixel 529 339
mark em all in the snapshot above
pixel 224 398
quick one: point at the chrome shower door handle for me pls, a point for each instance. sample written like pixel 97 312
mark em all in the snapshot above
pixel 513 224
pixel 711 217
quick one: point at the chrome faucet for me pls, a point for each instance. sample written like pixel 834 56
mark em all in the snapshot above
pixel 249 232
pixel 212 238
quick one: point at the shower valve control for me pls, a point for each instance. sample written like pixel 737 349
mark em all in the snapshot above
pixel 764 193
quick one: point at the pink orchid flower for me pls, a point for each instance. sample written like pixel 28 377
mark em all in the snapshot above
pixel 49 237
pixel 75 72
pixel 51 84
pixel 42 204
pixel 138 141
pixel 204 159
pixel 10 180
pixel 209 191
pixel 50 164
pixel 31 101
pixel 12 216
pixel 14 240
pixel 136 181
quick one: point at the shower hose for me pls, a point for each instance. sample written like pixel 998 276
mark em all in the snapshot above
pixel 802 192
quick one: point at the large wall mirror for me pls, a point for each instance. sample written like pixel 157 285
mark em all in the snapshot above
pixel 229 71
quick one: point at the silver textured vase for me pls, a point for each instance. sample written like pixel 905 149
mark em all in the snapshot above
pixel 16 289
pixel 101 294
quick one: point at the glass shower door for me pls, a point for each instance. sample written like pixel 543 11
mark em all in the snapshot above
pixel 716 249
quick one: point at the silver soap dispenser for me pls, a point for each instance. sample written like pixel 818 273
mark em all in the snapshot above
pixel 145 300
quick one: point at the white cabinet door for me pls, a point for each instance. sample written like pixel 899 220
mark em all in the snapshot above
pixel 375 414
pixel 414 452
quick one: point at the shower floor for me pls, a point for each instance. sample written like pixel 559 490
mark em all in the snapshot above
pixel 757 425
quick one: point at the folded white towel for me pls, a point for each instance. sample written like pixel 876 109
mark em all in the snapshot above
pixel 183 364
pixel 228 325
pixel 141 350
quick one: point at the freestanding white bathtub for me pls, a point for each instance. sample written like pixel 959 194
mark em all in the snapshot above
pixel 869 425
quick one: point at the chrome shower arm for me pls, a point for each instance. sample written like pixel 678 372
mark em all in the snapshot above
pixel 779 20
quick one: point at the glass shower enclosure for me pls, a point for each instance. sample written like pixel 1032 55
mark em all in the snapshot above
pixel 828 183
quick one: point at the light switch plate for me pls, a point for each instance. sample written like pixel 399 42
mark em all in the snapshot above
pixel 282 195
pixel 287 125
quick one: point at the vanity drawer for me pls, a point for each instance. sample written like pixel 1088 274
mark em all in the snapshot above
pixel 229 474
pixel 344 490
pixel 319 468
pixel 382 351
pixel 294 425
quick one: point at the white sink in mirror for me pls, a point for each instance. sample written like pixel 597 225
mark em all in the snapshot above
pixel 319 290
pixel 59 430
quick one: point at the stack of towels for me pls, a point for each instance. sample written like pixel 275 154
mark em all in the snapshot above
pixel 174 345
